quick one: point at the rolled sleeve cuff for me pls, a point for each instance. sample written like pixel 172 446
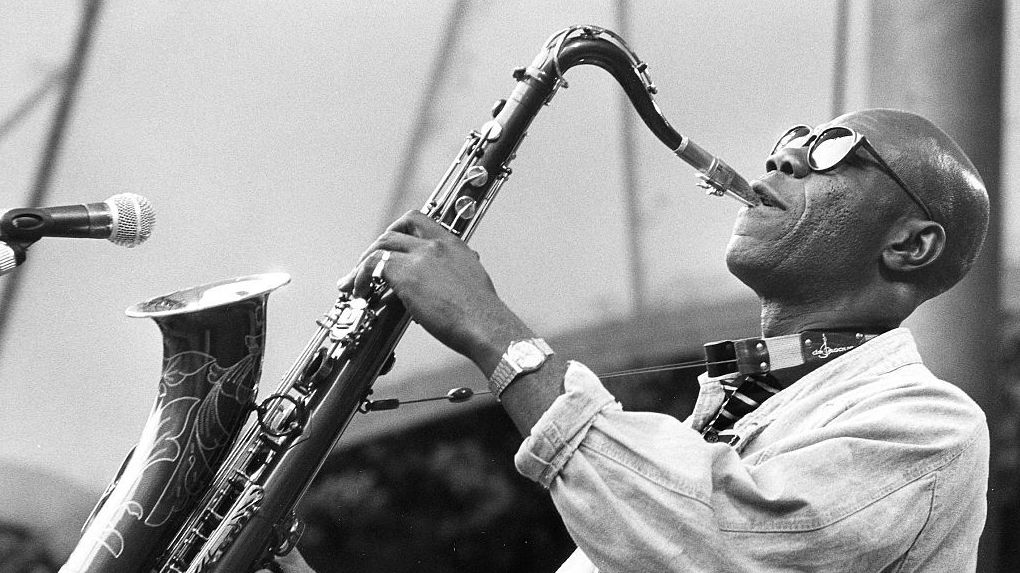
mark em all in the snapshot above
pixel 562 428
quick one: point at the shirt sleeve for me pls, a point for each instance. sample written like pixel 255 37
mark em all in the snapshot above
pixel 643 491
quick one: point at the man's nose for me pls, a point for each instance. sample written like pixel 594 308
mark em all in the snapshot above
pixel 789 160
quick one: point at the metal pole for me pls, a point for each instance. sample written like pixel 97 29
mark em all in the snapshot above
pixel 631 194
pixel 943 59
pixel 839 64
pixel 423 121
pixel 30 102
pixel 54 142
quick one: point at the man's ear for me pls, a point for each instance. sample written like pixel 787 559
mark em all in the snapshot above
pixel 914 245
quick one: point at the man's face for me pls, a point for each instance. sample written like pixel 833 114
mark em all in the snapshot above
pixel 815 230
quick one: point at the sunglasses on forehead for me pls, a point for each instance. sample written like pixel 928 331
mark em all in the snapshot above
pixel 830 147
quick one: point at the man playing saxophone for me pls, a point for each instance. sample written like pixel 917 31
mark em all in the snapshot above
pixel 850 456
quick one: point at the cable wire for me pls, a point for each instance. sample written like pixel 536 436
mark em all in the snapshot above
pixel 464 394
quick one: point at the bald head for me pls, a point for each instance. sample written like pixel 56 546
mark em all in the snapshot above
pixel 939 172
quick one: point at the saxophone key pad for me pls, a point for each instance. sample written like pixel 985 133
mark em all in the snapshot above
pixel 343 325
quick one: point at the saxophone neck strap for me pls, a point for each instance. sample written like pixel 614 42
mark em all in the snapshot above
pixel 764 355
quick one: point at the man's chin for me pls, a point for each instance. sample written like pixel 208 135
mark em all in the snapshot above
pixel 743 246
pixel 749 257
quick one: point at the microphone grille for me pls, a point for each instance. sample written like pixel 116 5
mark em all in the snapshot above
pixel 8 259
pixel 133 219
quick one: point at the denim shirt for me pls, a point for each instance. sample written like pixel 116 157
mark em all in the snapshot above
pixel 869 463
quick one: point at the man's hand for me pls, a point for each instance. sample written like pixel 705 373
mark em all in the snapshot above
pixel 443 285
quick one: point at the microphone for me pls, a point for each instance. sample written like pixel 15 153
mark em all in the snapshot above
pixel 125 219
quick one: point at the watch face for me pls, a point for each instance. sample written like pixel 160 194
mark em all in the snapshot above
pixel 526 355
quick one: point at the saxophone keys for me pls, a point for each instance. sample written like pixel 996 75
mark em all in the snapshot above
pixel 492 130
pixel 282 416
pixel 288 533
pixel 476 176
pixel 319 369
pixel 345 318
pixel 466 207
pixel 498 107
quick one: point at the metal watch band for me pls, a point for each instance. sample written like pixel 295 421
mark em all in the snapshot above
pixel 508 370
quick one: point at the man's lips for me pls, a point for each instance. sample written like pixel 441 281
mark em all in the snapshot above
pixel 766 195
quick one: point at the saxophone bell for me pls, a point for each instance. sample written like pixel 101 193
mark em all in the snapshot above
pixel 212 356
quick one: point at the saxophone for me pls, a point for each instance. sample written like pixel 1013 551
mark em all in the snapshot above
pixel 201 493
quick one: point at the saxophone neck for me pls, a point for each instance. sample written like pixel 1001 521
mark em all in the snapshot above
pixel 601 47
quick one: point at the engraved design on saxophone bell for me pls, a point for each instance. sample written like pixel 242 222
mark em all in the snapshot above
pixel 195 452
pixel 109 536
pixel 185 436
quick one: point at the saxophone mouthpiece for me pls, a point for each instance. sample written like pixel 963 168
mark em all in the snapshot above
pixel 736 188
pixel 716 176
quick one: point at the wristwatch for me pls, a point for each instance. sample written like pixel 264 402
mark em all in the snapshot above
pixel 521 357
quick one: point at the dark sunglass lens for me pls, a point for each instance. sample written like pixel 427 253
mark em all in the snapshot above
pixel 796 137
pixel 831 147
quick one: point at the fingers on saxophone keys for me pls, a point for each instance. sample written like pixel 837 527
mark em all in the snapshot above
pixel 371 271
pixel 390 239
pixel 414 223
pixel 381 265
pixel 369 257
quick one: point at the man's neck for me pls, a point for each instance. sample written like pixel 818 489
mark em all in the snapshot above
pixel 778 318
